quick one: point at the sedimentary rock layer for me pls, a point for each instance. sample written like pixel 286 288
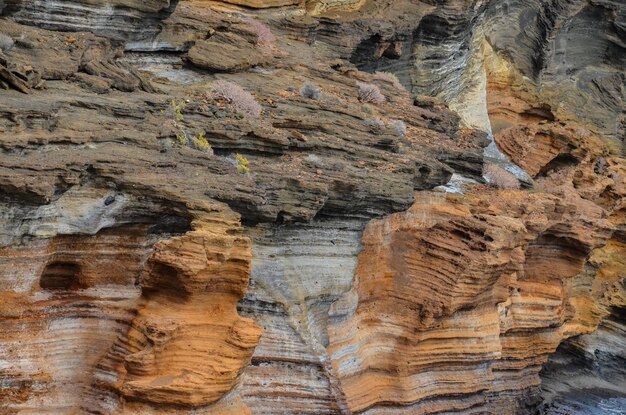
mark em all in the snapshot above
pixel 163 251
pixel 297 273
pixel 86 160
pixel 119 19
pixel 99 292
pixel 479 288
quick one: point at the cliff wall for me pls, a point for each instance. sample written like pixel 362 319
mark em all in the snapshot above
pixel 224 207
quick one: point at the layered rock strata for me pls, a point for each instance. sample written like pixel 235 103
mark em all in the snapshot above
pixel 86 160
pixel 297 273
pixel 141 275
pixel 454 290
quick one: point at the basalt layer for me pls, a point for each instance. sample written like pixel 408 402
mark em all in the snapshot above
pixel 320 258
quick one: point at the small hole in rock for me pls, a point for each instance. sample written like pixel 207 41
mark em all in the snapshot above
pixel 61 275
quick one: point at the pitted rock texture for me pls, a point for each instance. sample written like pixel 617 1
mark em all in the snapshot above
pixel 140 274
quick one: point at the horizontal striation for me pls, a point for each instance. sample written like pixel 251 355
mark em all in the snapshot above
pixel 51 347
pixel 458 297
pixel 298 271
pixel 118 19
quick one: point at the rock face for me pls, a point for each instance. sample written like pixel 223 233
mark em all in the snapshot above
pixel 163 250
pixel 478 289
pixel 593 365
pixel 119 19
pixel 298 272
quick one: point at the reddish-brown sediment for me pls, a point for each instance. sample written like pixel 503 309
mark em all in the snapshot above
pixel 458 301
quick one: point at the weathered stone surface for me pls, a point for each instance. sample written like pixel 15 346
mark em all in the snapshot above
pixel 326 159
pixel 316 7
pixel 460 288
pixel 297 273
pixel 120 19
pixel 225 52
pixel 577 51
pixel 84 155
pixel 262 4
pixel 112 304
pixel 126 249
pixel 187 313
pixel 587 373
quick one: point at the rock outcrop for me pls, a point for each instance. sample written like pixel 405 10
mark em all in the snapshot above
pixel 458 302
pixel 163 250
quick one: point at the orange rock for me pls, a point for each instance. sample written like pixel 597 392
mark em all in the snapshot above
pixel 461 298
pixel 187 346
pixel 79 322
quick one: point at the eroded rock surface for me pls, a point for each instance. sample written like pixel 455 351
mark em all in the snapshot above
pixel 309 260
pixel 462 288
